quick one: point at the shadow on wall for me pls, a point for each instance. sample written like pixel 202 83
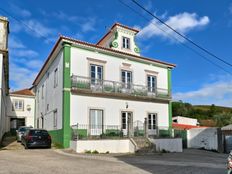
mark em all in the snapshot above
pixel 205 138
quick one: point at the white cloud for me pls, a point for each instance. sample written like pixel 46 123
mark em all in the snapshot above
pixel 36 29
pixel 21 77
pixel 20 11
pixel 183 23
pixel 34 64
pixel 15 43
pixel 88 25
pixel 218 92
pixel 40 30
pixel 24 53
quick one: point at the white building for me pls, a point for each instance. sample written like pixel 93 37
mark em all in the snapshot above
pixel 185 121
pixel 20 109
pixel 4 73
pixel 102 87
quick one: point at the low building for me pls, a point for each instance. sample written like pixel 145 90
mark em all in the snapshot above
pixel 20 110
pixel 185 121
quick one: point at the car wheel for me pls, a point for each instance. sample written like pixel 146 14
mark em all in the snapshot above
pixel 25 146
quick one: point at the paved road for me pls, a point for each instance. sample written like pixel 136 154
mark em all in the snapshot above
pixel 50 161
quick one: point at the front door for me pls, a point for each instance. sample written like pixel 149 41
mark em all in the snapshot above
pixel 96 122
pixel 127 124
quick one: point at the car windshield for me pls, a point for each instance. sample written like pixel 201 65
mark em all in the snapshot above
pixel 39 132
pixel 23 129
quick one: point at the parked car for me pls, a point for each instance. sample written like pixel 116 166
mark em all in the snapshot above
pixel 229 163
pixel 36 138
pixel 21 131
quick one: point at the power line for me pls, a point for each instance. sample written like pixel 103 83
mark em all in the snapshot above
pixel 172 36
pixel 27 26
pixel 189 40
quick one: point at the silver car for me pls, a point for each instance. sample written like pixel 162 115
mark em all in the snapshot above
pixel 21 131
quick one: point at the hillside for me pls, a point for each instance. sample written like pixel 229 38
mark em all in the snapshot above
pixel 207 115
pixel 207 108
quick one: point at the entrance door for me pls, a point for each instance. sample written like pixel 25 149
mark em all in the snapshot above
pixel 96 122
pixel 127 123
pixel 152 124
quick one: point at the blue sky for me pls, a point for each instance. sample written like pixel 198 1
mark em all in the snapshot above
pixel 208 23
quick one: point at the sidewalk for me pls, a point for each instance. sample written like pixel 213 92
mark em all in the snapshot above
pixel 10 143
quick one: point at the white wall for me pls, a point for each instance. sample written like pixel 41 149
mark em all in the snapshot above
pixel 112 108
pixel 185 120
pixel 112 67
pixel 29 115
pixel 52 96
pixel 203 138
pixel 168 144
pixel 3 101
pixel 103 146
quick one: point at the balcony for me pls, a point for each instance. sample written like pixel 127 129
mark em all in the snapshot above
pixel 107 88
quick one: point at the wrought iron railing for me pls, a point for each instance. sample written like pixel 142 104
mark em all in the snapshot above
pixel 87 131
pixel 107 86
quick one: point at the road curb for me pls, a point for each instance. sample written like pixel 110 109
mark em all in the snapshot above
pixel 88 156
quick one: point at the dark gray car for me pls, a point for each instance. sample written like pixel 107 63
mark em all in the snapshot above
pixel 21 131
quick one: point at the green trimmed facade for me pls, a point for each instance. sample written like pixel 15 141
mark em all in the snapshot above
pixel 63 135
pixel 170 92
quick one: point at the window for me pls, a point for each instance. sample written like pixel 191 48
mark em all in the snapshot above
pixel 18 105
pixel 151 121
pixel 126 42
pixel 55 78
pixel 124 122
pixel 126 79
pixel 47 107
pixel 38 96
pixel 55 119
pixel 96 73
pixel 42 92
pixel 151 83
pixel 96 121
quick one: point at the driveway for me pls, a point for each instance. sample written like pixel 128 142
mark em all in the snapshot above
pixel 49 161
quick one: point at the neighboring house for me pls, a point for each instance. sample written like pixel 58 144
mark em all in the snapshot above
pixel 185 120
pixel 4 73
pixel 102 86
pixel 20 109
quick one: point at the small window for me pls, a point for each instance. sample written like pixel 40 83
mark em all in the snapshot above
pixel 55 119
pixel 47 107
pixel 42 92
pixel 55 78
pixel 126 42
pixel 151 83
pixel 124 123
pixel 18 105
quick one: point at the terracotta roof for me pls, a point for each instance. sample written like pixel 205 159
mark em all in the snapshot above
pixel 23 92
pixel 117 24
pixel 185 126
pixel 99 47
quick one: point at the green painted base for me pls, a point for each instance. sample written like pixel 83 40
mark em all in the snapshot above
pixel 57 136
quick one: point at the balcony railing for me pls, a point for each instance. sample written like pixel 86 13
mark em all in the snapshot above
pixel 114 87
pixel 87 131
